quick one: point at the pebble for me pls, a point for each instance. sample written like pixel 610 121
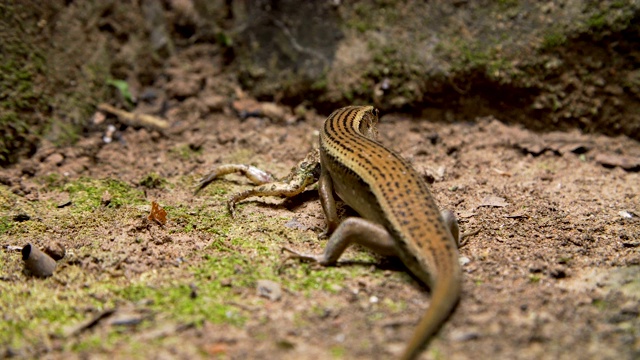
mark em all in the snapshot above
pixel 464 260
pixel 56 250
pixel 269 289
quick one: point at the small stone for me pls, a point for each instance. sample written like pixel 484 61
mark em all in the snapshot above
pixel 461 335
pixel 215 102
pixel 56 250
pixel 64 200
pixel 625 214
pixel 54 159
pixel 269 289
pixel 106 198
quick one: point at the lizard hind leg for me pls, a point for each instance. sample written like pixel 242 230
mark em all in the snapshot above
pixel 353 230
pixel 451 222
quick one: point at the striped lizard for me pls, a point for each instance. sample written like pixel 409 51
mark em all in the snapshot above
pixel 398 214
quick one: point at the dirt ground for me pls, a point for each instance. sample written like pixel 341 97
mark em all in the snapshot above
pixel 553 272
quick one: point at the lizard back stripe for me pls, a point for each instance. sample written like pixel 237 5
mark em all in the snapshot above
pixel 414 218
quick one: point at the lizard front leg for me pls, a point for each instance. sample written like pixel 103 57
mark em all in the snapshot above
pixel 451 222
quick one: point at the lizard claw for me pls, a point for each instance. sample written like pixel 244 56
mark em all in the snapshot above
pixel 304 257
pixel 231 206
pixel 296 255
pixel 317 259
pixel 326 233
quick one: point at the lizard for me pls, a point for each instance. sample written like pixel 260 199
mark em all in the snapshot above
pixel 399 216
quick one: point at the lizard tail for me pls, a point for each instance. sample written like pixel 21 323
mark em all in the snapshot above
pixel 446 294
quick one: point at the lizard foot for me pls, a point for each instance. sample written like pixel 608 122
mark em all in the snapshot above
pixel 304 257
pixel 318 259
pixel 231 207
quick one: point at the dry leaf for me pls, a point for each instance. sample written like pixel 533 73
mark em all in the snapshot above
pixel 217 348
pixel 157 214
pixel 502 172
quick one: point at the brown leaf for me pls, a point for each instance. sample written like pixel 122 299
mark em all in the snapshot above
pixel 216 348
pixel 157 214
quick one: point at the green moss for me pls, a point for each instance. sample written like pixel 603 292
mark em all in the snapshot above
pixel 153 181
pixel 224 39
pixel 101 342
pixel 499 70
pixel 8 202
pixel 210 304
pixel 5 224
pixel 87 193
pixel 18 96
pixel 184 152
pixel 599 304
pixel 65 132
pixel 92 343
pixel 553 40
pixel 359 25
pixel 394 306
pixel 40 95
pixel 361 21
pixel 506 4
pixel 214 299
pixel 302 277
pixel 48 313
pixel 348 94
pixel 436 353
pixel 51 179
pixel 615 15
pixel 338 351
pixel 320 84
pixel 597 21
pixel 472 56
pixel 565 259
pixel 619 4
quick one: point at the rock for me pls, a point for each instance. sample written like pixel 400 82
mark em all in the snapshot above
pixel 269 289
pixel 56 250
